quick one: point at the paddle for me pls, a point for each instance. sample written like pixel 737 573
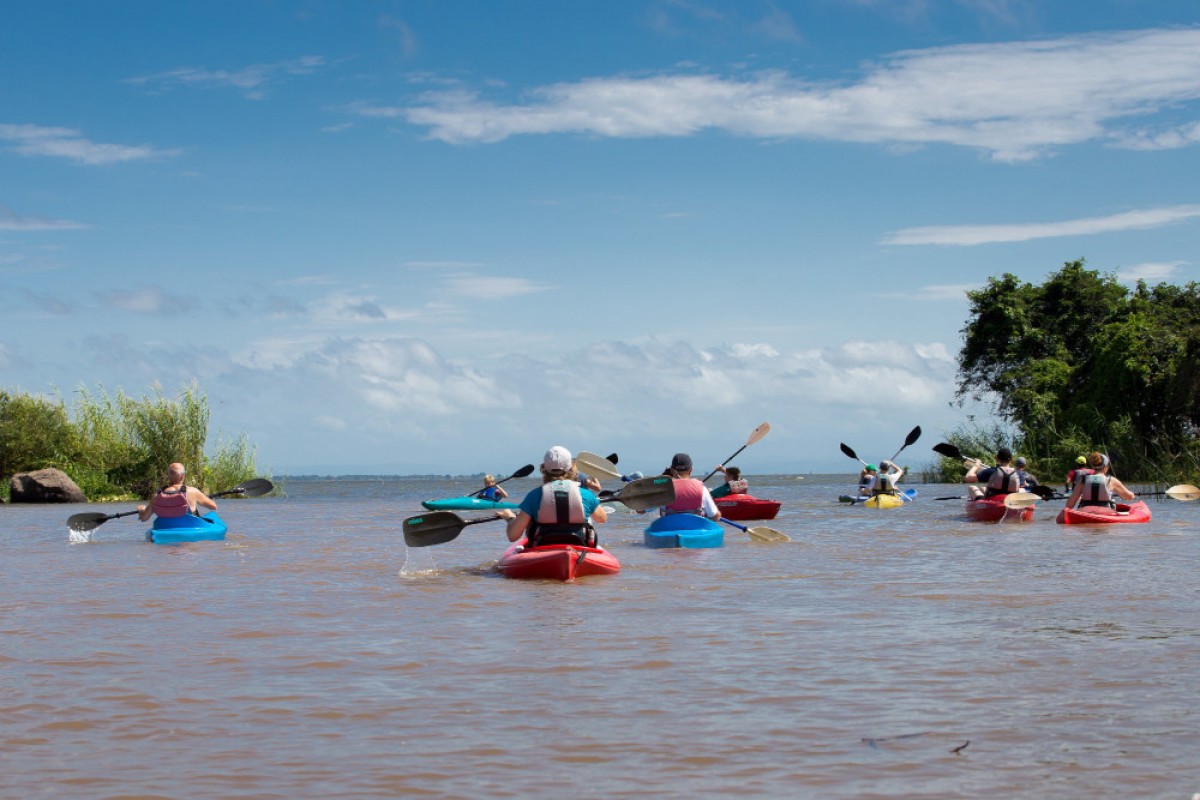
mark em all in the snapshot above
pixel 1183 491
pixel 90 520
pixel 593 464
pixel 439 527
pixel 1021 500
pixel 755 435
pixel 520 473
pixel 760 533
pixel 912 437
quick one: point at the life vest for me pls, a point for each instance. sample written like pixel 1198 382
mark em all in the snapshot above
pixel 561 517
pixel 882 485
pixel 1095 490
pixel 689 497
pixel 171 504
pixel 738 487
pixel 490 493
pixel 1004 480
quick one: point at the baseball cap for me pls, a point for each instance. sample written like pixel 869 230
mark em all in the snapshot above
pixel 681 462
pixel 557 459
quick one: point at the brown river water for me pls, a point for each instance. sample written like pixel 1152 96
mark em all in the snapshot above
pixel 900 653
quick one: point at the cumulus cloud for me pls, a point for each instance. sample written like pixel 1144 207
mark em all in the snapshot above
pixel 1016 100
pixel 252 81
pixel 967 235
pixel 37 140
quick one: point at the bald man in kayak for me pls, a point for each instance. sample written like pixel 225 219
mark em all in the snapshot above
pixel 176 499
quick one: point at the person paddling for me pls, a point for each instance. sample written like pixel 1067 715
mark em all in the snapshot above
pixel 1024 478
pixel 866 480
pixel 490 490
pixel 734 483
pixel 560 511
pixel 691 495
pixel 176 499
pixel 1097 487
pixel 886 480
pixel 1000 479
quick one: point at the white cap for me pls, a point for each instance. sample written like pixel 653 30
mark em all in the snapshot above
pixel 557 459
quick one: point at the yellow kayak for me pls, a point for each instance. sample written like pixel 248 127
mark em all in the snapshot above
pixel 890 500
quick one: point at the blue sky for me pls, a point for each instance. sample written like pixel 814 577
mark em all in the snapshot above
pixel 441 236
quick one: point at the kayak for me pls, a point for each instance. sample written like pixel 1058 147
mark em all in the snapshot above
pixel 743 506
pixel 882 500
pixel 1091 515
pixel 188 528
pixel 466 504
pixel 556 562
pixel 684 530
pixel 992 509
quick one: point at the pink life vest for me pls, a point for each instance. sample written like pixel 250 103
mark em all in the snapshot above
pixel 171 504
pixel 689 496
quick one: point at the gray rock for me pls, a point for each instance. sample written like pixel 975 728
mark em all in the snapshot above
pixel 44 486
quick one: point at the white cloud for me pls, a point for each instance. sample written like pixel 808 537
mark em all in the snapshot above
pixel 494 287
pixel 251 81
pixel 36 140
pixel 1015 100
pixel 11 221
pixel 967 235
pixel 1149 272
pixel 151 300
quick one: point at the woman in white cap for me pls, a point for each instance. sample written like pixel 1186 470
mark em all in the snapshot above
pixel 1098 487
pixel 691 495
pixel 560 511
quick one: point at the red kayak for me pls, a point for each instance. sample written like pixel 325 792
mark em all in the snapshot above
pixel 743 506
pixel 1091 515
pixel 556 562
pixel 992 509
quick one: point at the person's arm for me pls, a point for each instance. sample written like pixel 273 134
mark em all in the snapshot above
pixel 145 511
pixel 708 506
pixel 518 523
pixel 597 513
pixel 1075 492
pixel 972 474
pixel 500 493
pixel 199 498
pixel 1121 490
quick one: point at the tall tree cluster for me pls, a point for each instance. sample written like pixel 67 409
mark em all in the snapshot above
pixel 1081 362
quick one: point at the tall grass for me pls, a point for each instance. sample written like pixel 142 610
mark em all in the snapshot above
pixel 118 447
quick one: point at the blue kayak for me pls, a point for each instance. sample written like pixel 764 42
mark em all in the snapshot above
pixel 188 528
pixel 684 530
pixel 467 504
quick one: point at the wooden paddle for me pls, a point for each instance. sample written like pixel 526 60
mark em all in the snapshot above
pixel 755 435
pixel 593 464
pixel 90 520
pixel 439 527
pixel 520 473
pixel 1183 491
pixel 760 533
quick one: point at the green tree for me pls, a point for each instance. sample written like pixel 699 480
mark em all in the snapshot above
pixel 1080 358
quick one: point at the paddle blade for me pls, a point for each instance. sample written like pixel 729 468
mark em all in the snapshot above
pixel 255 487
pixel 646 493
pixel 913 435
pixel 948 450
pixel 523 472
pixel 436 527
pixel 848 451
pixel 1021 500
pixel 758 433
pixel 88 521
pixel 1044 492
pixel 761 533
pixel 593 464
pixel 612 457
pixel 1184 491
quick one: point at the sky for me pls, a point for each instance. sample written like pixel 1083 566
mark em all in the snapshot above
pixel 439 236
